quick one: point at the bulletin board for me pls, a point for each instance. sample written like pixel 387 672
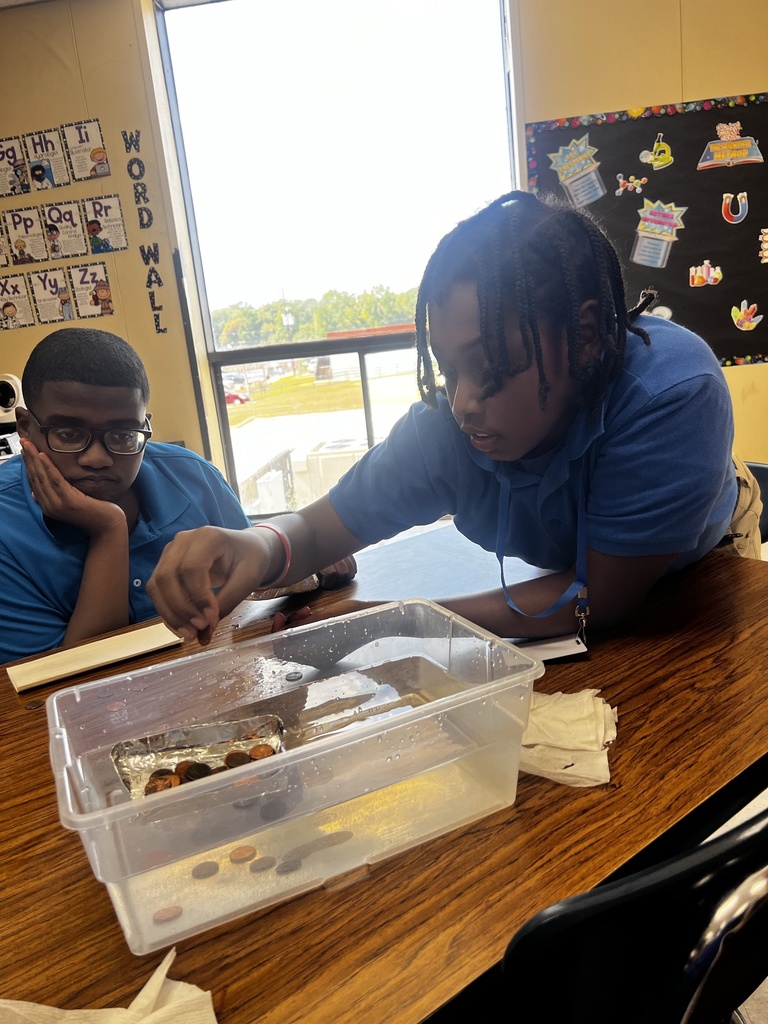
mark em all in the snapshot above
pixel 682 192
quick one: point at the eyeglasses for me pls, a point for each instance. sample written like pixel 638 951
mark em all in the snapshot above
pixel 118 440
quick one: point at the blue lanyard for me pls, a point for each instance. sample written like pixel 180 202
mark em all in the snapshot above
pixel 578 588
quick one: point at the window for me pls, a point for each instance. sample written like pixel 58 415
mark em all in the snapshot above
pixel 329 147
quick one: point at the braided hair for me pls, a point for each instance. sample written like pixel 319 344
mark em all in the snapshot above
pixel 539 259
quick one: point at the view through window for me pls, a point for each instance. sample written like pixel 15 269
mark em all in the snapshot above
pixel 329 146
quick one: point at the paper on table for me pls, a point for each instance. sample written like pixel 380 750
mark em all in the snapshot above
pixel 567 737
pixel 552 647
pixel 161 1001
pixel 71 660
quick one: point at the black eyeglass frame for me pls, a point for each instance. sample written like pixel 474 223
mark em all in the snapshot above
pixel 93 434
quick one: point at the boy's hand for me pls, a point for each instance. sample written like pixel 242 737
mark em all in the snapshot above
pixel 59 500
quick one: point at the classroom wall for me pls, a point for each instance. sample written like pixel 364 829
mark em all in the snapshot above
pixel 601 56
pixel 69 60
pixel 72 60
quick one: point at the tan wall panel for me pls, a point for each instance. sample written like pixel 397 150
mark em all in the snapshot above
pixel 581 58
pixel 749 391
pixel 724 52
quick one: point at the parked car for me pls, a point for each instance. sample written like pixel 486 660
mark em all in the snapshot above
pixel 234 397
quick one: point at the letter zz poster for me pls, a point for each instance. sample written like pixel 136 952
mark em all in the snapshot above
pixel 682 192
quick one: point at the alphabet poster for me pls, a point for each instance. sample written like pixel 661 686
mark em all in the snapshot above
pixel 682 192
pixel 26 236
pixel 52 294
pixel 85 145
pixel 64 230
pixel 47 160
pixel 15 307
pixel 14 179
pixel 92 291
pixel 104 224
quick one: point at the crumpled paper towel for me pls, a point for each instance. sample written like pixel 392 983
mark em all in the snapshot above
pixel 161 1001
pixel 567 738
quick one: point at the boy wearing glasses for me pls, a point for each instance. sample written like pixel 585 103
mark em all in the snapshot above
pixel 89 506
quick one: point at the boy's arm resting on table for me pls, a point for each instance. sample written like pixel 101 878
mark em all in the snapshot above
pixel 616 585
pixel 102 603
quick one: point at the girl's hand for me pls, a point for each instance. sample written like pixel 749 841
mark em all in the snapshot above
pixel 59 500
pixel 203 574
pixel 338 574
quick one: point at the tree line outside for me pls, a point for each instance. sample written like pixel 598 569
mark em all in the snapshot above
pixel 242 325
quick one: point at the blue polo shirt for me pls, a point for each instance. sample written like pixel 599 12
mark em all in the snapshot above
pixel 656 465
pixel 41 563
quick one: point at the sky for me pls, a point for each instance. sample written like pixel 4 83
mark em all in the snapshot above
pixel 332 144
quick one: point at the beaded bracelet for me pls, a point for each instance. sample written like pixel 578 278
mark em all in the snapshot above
pixel 286 548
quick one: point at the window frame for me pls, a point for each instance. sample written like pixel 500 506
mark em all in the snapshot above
pixel 218 360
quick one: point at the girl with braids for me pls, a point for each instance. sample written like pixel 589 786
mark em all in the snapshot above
pixel 558 427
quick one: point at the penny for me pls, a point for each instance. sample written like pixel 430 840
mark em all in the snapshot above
pixel 205 869
pixel 161 783
pixel 182 767
pixel 218 769
pixel 166 914
pixel 335 838
pixel 241 854
pixel 263 864
pixel 300 852
pixel 293 677
pixel 260 750
pixel 197 770
pixel 235 758
pixel 160 773
pixel 156 858
pixel 273 810
pixel 286 866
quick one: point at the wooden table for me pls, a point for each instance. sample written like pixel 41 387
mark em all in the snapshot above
pixel 689 675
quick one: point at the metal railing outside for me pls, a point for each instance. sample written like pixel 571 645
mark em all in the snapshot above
pixel 362 345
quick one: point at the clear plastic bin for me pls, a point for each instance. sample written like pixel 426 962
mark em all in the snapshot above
pixel 401 722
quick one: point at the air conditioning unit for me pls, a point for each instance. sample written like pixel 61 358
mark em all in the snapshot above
pixel 10 397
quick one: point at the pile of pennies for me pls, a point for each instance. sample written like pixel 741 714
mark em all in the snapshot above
pixel 291 861
pixel 189 771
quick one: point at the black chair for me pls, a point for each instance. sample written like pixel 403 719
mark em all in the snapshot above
pixel 760 473
pixel 682 942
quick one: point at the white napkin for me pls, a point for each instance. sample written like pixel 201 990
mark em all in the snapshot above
pixel 567 738
pixel 161 1001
